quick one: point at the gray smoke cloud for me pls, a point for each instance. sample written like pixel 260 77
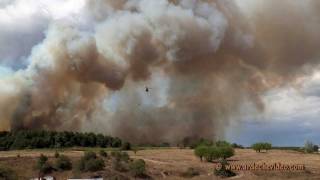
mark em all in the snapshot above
pixel 202 60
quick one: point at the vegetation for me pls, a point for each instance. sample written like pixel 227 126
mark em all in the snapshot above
pixel 126 146
pixel 219 150
pixel 261 146
pixel 56 154
pixel 43 165
pixel 194 142
pixel 190 173
pixel 120 156
pixel 309 147
pixel 223 171
pixel 135 149
pixel 90 162
pixel 235 145
pixel 63 163
pixel 119 165
pixel 103 153
pixel 31 139
pixel 201 151
pixel 7 174
pixel 137 168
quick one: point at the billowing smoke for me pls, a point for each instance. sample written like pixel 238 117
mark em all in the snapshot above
pixel 201 62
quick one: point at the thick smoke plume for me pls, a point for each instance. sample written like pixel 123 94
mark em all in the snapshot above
pixel 202 60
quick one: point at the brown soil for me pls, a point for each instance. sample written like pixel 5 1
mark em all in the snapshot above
pixel 171 163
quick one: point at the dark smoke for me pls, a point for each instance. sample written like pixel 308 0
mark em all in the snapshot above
pixel 203 60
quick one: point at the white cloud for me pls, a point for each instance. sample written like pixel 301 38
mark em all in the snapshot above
pixel 23 23
pixel 295 104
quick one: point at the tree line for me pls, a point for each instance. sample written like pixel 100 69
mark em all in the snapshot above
pixel 31 139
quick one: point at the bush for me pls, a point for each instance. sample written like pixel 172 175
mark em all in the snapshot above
pixel 190 173
pixel 119 165
pixel 135 149
pixel 126 146
pixel 103 153
pixel 56 154
pixel 89 155
pixel 223 172
pixel 120 156
pixel 43 165
pixel 94 165
pixel 63 163
pixel 137 167
pixel 7 174
pixel 90 162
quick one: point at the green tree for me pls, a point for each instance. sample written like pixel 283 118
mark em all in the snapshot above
pixel 201 151
pixel 261 146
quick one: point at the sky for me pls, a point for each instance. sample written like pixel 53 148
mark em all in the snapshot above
pixel 291 115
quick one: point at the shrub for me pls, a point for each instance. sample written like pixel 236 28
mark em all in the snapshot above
pixel 7 174
pixel 63 163
pixel 43 165
pixel 223 171
pixel 120 156
pixel 103 153
pixel 124 156
pixel 190 173
pixel 135 149
pixel 126 146
pixel 119 165
pixel 56 154
pixel 90 162
pixel 89 155
pixel 94 165
pixel 137 167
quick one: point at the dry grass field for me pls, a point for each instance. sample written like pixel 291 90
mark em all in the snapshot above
pixel 171 163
